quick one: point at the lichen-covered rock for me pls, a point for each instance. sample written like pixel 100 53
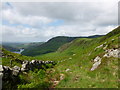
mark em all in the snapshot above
pixel 97 59
pixel 25 66
pixel 99 46
pixel 97 62
pixel 112 53
pixel 16 70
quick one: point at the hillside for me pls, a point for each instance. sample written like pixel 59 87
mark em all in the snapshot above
pixel 18 71
pixel 81 63
pixel 86 63
pixel 10 48
pixel 17 46
pixel 51 45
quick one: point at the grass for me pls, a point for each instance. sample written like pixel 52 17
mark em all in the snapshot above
pixel 80 76
pixel 77 56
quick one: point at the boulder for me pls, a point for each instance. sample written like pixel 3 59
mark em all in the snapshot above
pixel 25 66
pixel 97 62
pixel 7 72
pixel 112 53
pixel 33 61
pixel 16 70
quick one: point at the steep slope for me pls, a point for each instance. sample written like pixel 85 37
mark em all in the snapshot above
pixel 86 63
pixel 51 45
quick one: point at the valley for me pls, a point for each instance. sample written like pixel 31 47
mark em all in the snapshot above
pixel 79 62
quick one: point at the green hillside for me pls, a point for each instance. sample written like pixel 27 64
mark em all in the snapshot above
pixel 76 60
pixel 17 46
pixel 51 45
pixel 10 48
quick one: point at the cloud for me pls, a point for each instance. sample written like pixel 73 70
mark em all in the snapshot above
pixel 26 21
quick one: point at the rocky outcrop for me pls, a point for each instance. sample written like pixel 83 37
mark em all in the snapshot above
pixel 11 75
pixel 16 70
pixel 112 53
pixel 31 65
pixel 97 62
pixel 109 53
pixel 26 66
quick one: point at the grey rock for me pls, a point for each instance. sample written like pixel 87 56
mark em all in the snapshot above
pixel 97 59
pixel 97 62
pixel 112 53
pixel 33 61
pixel 16 70
pixel 1 68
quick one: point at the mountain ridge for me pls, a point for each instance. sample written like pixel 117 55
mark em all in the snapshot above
pixel 52 45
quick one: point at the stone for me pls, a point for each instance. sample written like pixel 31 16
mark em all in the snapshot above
pixel 97 62
pixel 56 83
pixel 105 47
pixel 99 46
pixel 97 59
pixel 6 68
pixel 67 70
pixel 112 39
pixel 1 68
pixel 23 69
pixel 62 76
pixel 25 66
pixel 33 61
pixel 112 53
pixel 74 54
pixel 16 70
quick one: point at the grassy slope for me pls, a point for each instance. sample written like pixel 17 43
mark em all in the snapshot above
pixel 33 79
pixel 50 46
pixel 105 76
pixel 12 56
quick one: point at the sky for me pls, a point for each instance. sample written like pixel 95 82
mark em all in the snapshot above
pixel 40 21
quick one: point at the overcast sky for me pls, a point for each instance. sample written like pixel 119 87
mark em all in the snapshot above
pixel 38 21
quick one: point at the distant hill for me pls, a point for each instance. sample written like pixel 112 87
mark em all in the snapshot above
pixel 51 45
pixel 17 46
pixel 10 48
